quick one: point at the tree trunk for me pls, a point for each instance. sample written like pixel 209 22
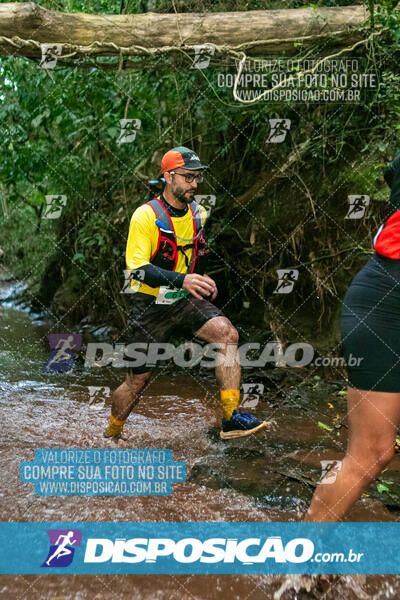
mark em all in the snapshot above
pixel 256 32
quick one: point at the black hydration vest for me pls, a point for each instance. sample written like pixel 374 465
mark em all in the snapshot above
pixel 169 244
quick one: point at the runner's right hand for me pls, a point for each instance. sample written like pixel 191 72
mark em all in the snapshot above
pixel 198 285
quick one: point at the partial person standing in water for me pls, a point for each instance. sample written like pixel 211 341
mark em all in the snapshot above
pixel 370 330
pixel 165 252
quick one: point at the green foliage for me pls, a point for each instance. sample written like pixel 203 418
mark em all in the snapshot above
pixel 60 138
pixel 323 426
pixel 384 12
pixel 382 488
pixel 26 252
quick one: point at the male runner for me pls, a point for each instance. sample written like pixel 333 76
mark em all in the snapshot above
pixel 165 250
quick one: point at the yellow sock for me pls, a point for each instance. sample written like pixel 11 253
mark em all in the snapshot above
pixel 230 402
pixel 115 427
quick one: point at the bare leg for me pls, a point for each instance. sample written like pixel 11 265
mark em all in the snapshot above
pixel 220 330
pixel 127 395
pixel 373 419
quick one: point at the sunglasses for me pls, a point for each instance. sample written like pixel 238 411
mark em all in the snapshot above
pixel 189 178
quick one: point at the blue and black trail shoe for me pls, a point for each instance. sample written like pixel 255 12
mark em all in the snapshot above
pixel 241 424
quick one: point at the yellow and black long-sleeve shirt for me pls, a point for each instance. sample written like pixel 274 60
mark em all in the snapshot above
pixel 143 241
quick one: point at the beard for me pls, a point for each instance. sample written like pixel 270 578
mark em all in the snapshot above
pixel 180 194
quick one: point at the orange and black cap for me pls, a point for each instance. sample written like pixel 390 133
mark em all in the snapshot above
pixel 181 157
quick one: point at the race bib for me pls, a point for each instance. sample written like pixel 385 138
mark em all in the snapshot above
pixel 168 295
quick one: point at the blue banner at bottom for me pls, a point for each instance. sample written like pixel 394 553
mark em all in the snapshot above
pixel 199 548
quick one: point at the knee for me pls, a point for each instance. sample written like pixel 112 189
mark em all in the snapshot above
pixel 232 336
pixel 228 333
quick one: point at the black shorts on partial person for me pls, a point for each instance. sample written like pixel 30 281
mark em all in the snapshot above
pixel 150 322
pixel 370 326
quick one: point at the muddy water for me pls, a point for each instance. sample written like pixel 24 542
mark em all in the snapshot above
pixel 266 478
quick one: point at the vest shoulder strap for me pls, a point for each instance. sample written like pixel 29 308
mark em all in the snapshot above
pixel 197 216
pixel 161 212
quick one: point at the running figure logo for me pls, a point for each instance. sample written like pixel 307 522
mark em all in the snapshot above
pixel 287 279
pixel 330 471
pixel 357 207
pixel 62 547
pixel 50 52
pixel 206 200
pixel 251 394
pixel 97 396
pixel 203 54
pixel 279 129
pixel 131 274
pixel 54 206
pixel 62 347
pixel 129 129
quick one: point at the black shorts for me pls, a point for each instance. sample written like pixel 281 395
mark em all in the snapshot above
pixel 150 322
pixel 370 326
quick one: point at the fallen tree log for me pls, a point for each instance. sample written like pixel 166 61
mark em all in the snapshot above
pixel 24 26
